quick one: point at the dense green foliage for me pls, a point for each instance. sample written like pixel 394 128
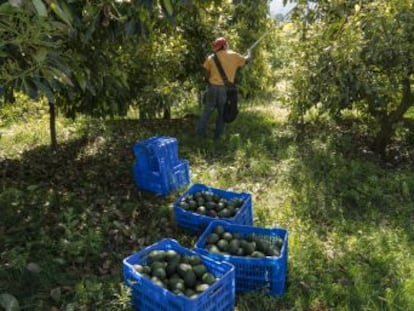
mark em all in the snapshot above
pixel 358 57
pixel 102 58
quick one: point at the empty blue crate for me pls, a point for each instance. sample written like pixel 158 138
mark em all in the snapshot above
pixel 157 167
pixel 148 293
pixel 165 180
pixel 150 151
pixel 201 204
pixel 259 255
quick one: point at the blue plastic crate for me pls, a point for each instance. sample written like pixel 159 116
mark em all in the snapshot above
pixel 147 296
pixel 267 274
pixel 164 181
pixel 179 176
pixel 197 222
pixel 151 151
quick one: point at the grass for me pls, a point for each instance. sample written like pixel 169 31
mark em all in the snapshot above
pixel 68 218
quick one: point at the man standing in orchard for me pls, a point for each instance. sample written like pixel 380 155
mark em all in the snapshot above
pixel 216 93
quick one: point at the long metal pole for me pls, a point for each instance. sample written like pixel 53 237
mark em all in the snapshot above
pixel 261 38
pixel 267 32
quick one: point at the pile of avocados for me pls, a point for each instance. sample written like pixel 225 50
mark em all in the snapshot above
pixel 181 274
pixel 187 275
pixel 211 204
pixel 220 241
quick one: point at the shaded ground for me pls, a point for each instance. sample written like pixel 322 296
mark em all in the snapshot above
pixel 70 217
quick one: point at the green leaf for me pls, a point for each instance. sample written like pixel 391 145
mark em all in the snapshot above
pixel 57 74
pixel 62 14
pixel 40 55
pixel 80 78
pixel 168 7
pixel 40 7
pixel 7 8
pixel 44 88
pixel 16 3
pixel 61 76
pixel 9 302
pixel 29 88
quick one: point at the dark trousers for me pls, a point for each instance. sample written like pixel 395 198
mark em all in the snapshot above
pixel 216 98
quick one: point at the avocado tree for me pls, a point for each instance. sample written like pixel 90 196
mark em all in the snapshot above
pixel 358 56
pixel 31 56
pixel 99 58
pixel 73 52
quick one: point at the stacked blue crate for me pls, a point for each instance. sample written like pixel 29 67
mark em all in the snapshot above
pixel 157 167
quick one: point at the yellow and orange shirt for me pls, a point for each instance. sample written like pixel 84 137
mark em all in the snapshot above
pixel 230 61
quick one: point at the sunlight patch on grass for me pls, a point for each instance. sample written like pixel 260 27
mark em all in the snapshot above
pixel 23 136
pixel 34 131
pixel 93 147
pixel 274 111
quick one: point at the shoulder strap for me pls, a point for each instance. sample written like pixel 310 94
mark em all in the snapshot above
pixel 221 70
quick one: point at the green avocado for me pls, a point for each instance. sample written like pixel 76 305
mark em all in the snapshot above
pixel 176 285
pixel 184 205
pixel 248 248
pixel 172 267
pixel 213 238
pixel 211 205
pixel 155 255
pixel 223 245
pixel 201 210
pixel 194 260
pixel 208 278
pixel 257 254
pixel 199 270
pixel 190 293
pixel 202 287
pixel 212 248
pixel 192 205
pixel 183 268
pixel 216 198
pixel 234 246
pixel 189 279
pixel 224 213
pixel 157 264
pixel 159 273
pixel 227 236
pixel 218 230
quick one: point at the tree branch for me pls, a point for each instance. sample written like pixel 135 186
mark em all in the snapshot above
pixel 406 102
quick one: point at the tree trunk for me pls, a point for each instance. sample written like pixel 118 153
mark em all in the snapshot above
pixel 383 137
pixel 52 118
pixel 167 113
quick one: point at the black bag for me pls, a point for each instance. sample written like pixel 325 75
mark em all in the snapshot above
pixel 231 109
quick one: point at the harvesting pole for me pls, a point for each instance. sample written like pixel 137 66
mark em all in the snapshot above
pixel 268 31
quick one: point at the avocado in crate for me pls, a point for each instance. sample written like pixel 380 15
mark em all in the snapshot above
pixel 259 255
pixel 200 205
pixel 221 241
pixel 206 202
pixel 181 274
pixel 167 276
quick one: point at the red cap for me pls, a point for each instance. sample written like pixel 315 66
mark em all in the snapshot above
pixel 219 43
